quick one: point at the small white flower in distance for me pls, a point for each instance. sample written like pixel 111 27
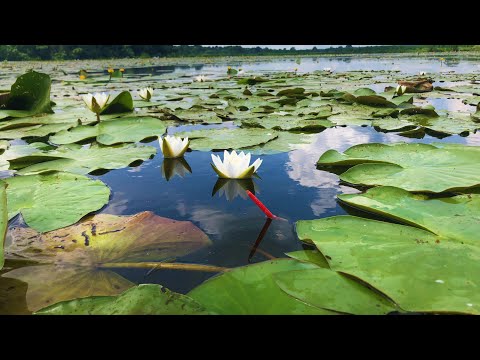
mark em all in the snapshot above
pixel 146 93
pixel 201 78
pixel 400 90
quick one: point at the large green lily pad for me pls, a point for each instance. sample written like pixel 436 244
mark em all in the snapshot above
pixel 414 167
pixel 31 93
pixel 252 290
pixel 418 270
pixel 145 299
pixel 54 200
pixel 128 129
pixel 76 258
pixel 330 290
pixel 225 139
pixel 80 160
pixel 454 218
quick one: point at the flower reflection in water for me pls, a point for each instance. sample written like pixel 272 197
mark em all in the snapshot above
pixel 177 166
pixel 231 188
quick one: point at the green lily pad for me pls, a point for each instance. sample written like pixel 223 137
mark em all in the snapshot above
pixel 287 123
pixel 455 218
pixel 476 115
pixel 52 201
pixel 330 290
pixel 122 103
pixel 418 270
pixel 251 81
pixel 145 299
pixel 225 139
pixel 18 156
pixel 128 129
pixel 34 131
pixel 291 92
pixel 413 167
pixel 31 93
pixel 202 116
pixel 310 256
pixel 388 112
pixel 428 111
pixel 252 290
pixel 3 219
pixel 76 159
pixel 393 124
pixel 285 142
pixel 76 259
pixel 68 116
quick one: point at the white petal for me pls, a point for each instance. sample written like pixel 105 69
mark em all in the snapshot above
pixel 218 164
pixel 88 100
pixel 226 156
pixel 257 164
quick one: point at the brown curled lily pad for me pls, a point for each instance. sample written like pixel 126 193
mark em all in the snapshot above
pixel 74 261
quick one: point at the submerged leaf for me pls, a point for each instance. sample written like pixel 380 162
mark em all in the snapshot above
pixel 79 255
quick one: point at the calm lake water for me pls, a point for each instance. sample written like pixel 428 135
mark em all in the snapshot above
pixel 290 185
pixel 339 64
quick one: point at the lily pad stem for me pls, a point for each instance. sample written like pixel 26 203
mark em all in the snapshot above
pixel 162 265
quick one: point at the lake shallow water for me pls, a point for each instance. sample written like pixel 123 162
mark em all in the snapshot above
pixel 289 184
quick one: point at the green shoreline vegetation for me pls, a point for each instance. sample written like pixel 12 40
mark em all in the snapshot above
pixel 73 52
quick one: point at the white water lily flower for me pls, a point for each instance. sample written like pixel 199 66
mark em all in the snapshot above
pixel 281 113
pixel 400 90
pixel 422 73
pixel 173 146
pixel 201 78
pixel 146 93
pixel 235 166
pixel 96 102
pixel 327 69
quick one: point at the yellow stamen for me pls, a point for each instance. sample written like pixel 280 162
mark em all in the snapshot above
pixel 82 77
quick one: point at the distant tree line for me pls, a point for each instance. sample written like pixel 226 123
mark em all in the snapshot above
pixel 69 52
